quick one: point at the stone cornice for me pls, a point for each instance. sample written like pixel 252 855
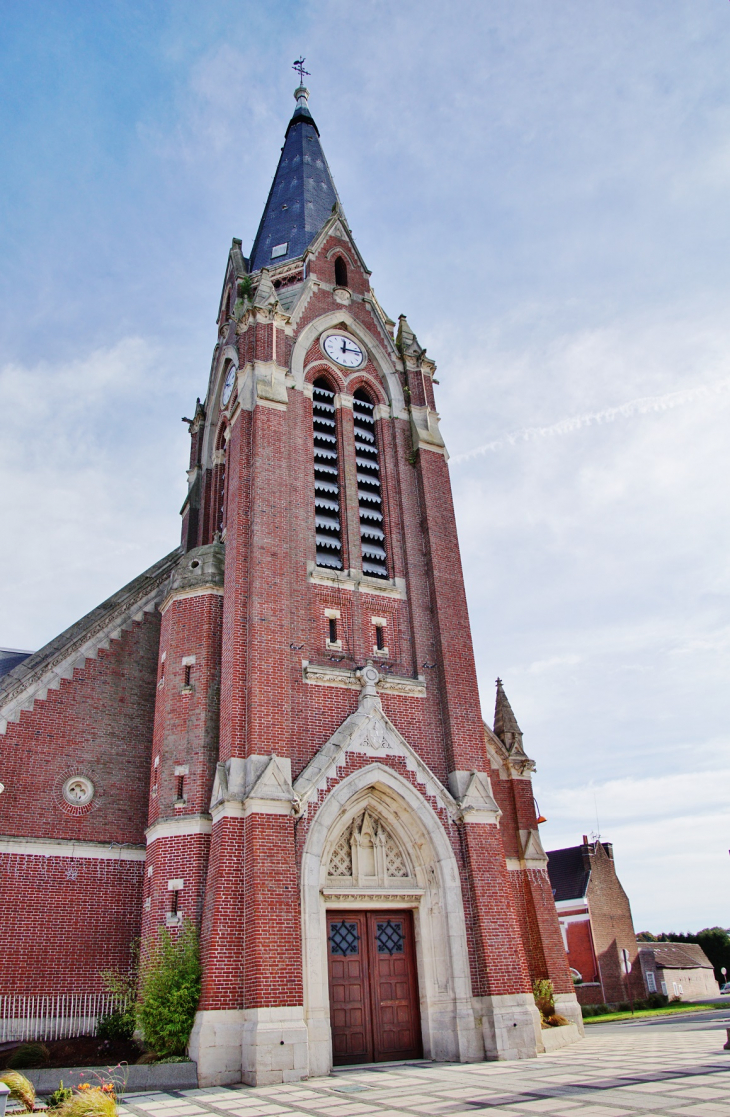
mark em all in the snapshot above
pixel 54 847
pixel 343 677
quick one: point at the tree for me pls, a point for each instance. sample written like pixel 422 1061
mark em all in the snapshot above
pixel 170 990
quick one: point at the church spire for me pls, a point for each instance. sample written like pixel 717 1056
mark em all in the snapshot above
pixel 505 722
pixel 302 195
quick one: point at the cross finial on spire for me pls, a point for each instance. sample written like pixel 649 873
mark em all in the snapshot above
pixel 299 67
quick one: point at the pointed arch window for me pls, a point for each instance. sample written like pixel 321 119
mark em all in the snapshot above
pixel 328 529
pixel 369 492
pixel 340 272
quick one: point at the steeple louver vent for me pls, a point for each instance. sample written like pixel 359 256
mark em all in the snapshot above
pixel 370 500
pixel 328 531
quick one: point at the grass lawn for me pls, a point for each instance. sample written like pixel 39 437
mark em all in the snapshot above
pixel 668 1010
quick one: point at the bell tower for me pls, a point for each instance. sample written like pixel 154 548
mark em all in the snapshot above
pixel 317 691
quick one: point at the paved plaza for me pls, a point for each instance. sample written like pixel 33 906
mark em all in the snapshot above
pixel 655 1067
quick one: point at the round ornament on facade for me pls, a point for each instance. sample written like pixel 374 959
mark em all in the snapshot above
pixel 343 350
pixel 78 791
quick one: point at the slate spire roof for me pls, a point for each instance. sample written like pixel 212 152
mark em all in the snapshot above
pixel 302 195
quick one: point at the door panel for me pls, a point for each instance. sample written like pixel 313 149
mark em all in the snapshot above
pixel 349 994
pixel 394 989
pixel 374 1011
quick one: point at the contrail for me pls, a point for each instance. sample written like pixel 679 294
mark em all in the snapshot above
pixel 644 406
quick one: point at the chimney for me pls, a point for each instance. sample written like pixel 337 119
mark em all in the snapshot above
pixel 585 839
pixel 608 846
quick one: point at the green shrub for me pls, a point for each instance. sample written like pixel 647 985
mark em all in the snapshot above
pixel 595 1010
pixel 544 994
pixel 170 990
pixel 174 1059
pixel 59 1096
pixel 118 1025
pixel 28 1055
pixel 657 1000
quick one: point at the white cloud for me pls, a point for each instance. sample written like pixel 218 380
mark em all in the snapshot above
pixel 84 457
pixel 670 834
pixel 649 405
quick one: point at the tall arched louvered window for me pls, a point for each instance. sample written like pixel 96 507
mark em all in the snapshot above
pixel 369 493
pixel 326 478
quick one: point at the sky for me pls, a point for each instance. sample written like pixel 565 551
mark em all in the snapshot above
pixel 542 188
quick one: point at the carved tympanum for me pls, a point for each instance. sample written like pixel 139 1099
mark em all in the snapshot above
pixel 368 854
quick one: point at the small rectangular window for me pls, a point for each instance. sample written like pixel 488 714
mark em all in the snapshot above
pixel 651 982
pixel 173 905
pixel 379 637
pixel 188 674
pixel 333 630
pixel 180 788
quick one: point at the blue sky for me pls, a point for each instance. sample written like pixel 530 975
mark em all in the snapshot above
pixel 542 189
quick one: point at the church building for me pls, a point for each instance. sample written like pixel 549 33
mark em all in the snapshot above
pixel 275 731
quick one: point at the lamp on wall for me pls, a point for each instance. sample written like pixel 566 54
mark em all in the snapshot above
pixel 540 817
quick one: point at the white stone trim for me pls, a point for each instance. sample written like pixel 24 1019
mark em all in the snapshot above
pixel 373 897
pixel 233 809
pixel 510 1025
pixel 179 827
pixel 448 1025
pixel 356 580
pixel 343 677
pixel 374 349
pixel 367 731
pixel 579 904
pixel 53 847
pixel 215 1045
pixel 197 591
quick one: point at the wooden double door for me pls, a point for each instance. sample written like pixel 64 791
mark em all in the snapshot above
pixel 374 1009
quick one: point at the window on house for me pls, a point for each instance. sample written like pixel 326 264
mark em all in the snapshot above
pixel 333 630
pixel 379 637
pixel 370 500
pixel 340 272
pixel 326 478
pixel 651 982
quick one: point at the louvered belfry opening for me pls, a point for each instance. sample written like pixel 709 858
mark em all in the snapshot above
pixel 328 531
pixel 370 499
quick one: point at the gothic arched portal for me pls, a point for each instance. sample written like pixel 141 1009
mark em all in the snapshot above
pixel 377 844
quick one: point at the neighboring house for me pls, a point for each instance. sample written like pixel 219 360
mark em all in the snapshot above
pixel 678 969
pixel 595 919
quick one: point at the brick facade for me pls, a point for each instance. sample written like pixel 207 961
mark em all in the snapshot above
pixel 240 738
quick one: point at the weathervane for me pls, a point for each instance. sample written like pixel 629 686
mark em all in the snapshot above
pixel 299 67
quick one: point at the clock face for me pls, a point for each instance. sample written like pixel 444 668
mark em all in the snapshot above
pixel 343 350
pixel 228 386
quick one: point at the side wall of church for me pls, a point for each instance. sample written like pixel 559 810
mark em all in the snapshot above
pixel 79 869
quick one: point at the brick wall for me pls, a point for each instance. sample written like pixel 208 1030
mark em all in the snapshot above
pixel 74 915
pixel 612 925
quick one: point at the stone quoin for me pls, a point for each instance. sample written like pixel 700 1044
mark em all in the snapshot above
pixel 275 732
